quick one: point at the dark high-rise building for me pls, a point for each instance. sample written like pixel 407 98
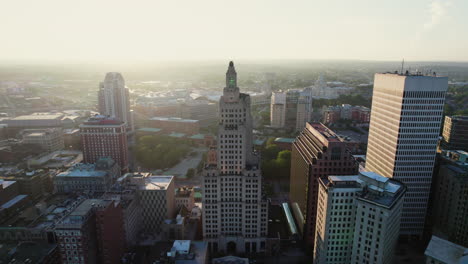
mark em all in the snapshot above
pixel 455 133
pixel 317 152
pixel 450 197
pixel 104 137
pixel 114 99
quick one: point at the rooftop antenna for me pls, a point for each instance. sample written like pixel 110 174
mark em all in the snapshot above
pixel 402 65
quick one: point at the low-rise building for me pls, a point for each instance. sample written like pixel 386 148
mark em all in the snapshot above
pixel 92 233
pixel 29 252
pixel 50 139
pixel 441 251
pixel 131 214
pixel 358 114
pixel 8 190
pixel 284 143
pixel 156 196
pixel 174 229
pixel 175 124
pixel 32 183
pixel 189 252
pixel 184 196
pixel 88 177
pixel 358 218
pixel 454 135
pixel 72 138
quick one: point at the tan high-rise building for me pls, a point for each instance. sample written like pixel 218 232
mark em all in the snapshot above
pixel 404 129
pixel 235 217
pixel 278 109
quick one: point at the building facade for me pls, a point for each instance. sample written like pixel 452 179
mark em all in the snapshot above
pixel 50 139
pixel 156 196
pixel 278 110
pixel 76 235
pixel 316 152
pixel 404 129
pixel 358 219
pixel 358 114
pixel 291 109
pixel 88 177
pixel 184 197
pixel 450 197
pixel 114 99
pixel 455 133
pixel 235 209
pixel 104 137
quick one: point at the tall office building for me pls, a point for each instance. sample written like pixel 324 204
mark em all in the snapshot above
pixel 104 137
pixel 455 133
pixel 114 99
pixel 358 219
pixel 450 197
pixel 316 152
pixel 235 209
pixel 278 109
pixel 291 109
pixel 404 129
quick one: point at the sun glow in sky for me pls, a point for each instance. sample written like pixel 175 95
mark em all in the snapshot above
pixel 155 30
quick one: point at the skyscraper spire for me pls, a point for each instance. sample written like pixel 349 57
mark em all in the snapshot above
pixel 231 91
pixel 231 76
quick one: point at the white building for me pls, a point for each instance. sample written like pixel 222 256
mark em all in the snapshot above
pixel 278 109
pixel 114 99
pixel 235 210
pixel 291 109
pixel 156 195
pixel 404 130
pixel 50 139
pixel 358 218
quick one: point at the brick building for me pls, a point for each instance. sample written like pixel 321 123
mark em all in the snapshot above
pixel 316 152
pixel 104 137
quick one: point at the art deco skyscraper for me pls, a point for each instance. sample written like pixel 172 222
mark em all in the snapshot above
pixel 114 100
pixel 235 209
pixel 404 129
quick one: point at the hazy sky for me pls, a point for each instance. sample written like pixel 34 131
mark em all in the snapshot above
pixel 154 30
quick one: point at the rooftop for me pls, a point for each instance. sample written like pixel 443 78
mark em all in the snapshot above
pixel 198 136
pixel 149 129
pixel 100 120
pixel 25 252
pixel 83 170
pixel 5 183
pixel 177 135
pixel 181 245
pixel 231 260
pixel 446 252
pixel 459 117
pixel 157 183
pixel 374 187
pixel 327 133
pixel 13 201
pixel 285 140
pixel 39 116
pixel 173 119
pixel 80 214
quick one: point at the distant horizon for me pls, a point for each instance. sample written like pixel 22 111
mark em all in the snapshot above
pixel 152 30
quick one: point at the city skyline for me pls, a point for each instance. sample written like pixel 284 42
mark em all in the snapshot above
pixel 160 31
